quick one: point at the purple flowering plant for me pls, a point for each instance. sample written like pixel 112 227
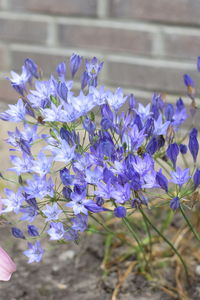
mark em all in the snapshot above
pixel 101 156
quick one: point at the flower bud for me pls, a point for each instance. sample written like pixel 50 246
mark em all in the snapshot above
pixel 193 144
pixel 120 212
pixel 32 230
pixel 162 181
pixel 172 153
pixel 196 178
pixel 16 232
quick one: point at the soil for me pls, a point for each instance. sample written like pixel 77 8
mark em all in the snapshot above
pixel 73 272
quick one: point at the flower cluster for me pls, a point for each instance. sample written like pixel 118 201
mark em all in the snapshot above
pixel 94 157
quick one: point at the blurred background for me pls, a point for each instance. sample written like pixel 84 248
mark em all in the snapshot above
pixel 147 45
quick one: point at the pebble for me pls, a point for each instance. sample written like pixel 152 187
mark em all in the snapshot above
pixel 67 255
pixel 198 270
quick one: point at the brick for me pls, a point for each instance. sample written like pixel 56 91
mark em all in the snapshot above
pixel 149 78
pixel 59 7
pixel 164 11
pixel 182 45
pixel 106 39
pixel 3 61
pixel 23 31
pixel 7 93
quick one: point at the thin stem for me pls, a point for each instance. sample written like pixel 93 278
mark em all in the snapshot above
pixel 189 224
pixel 168 242
pixel 128 225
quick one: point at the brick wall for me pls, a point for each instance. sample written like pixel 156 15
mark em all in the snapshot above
pixel 146 45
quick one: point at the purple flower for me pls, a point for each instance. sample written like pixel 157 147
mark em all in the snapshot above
pixel 196 178
pixel 18 82
pixel 29 213
pixel 16 113
pixel 183 148
pixel 104 190
pixel 162 180
pixel 152 146
pixel 143 165
pixel 39 187
pixel 175 203
pixel 117 99
pixel 169 112
pixel 56 231
pixel 189 82
pixel 34 252
pixel 65 176
pixel 120 212
pixel 52 212
pixel 65 153
pixel 42 165
pixel 120 193
pixel 93 207
pixel 78 203
pixel 93 67
pixel 144 112
pixel 75 62
pixel 180 176
pixel 198 63
pixel 31 67
pixel 40 97
pixel 80 222
pixel 62 91
pixel 13 202
pixel 23 165
pixel 193 143
pixel 136 138
pixel 160 128
pixel 32 230
pixel 16 232
pixel 71 235
pixel 94 176
pixel 172 153
pixel 61 70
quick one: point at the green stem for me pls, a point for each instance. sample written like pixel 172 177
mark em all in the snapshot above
pixel 128 225
pixel 189 224
pixel 168 242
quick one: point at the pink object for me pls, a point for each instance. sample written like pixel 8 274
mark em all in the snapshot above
pixel 7 265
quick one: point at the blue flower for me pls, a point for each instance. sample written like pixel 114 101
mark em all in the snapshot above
pixel 16 113
pixel 175 203
pixel 196 178
pixel 34 252
pixel 75 62
pixel 120 193
pixel 180 176
pixel 32 230
pixel 64 153
pixel 16 232
pixel 80 222
pixel 29 213
pixel 52 212
pixel 13 202
pixel 18 82
pixel 78 203
pixel 42 165
pixel 56 231
pixel 193 143
pixel 120 212
pixel 172 153
pixel 162 180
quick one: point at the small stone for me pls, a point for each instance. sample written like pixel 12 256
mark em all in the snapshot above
pixel 67 255
pixel 197 270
